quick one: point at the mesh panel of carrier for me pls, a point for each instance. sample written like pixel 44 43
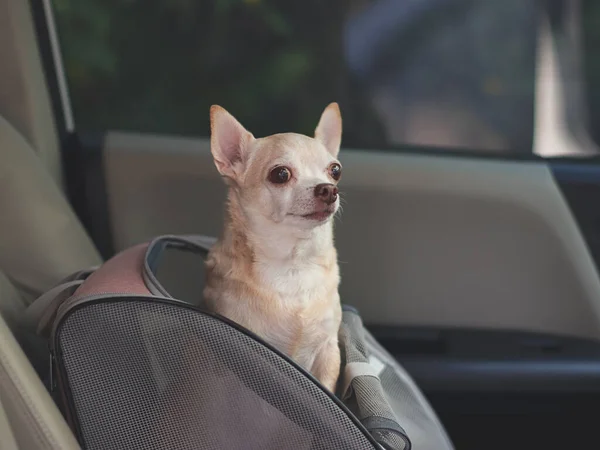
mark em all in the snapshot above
pixel 156 375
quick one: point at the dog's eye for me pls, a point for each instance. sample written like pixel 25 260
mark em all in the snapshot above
pixel 335 170
pixel 280 175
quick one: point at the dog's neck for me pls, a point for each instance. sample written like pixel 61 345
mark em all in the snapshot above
pixel 268 242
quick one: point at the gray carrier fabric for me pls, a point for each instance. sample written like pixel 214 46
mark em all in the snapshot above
pixel 155 371
pixel 382 395
pixel 146 374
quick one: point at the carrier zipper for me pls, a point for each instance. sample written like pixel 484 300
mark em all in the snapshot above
pixel 62 398
pixel 52 381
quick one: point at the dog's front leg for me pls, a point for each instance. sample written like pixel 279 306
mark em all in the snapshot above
pixel 326 367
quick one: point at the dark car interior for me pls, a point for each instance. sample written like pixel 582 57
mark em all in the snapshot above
pixel 470 237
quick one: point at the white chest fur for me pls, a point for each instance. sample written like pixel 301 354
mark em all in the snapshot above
pixel 295 281
pixel 299 276
pixel 291 262
pixel 310 316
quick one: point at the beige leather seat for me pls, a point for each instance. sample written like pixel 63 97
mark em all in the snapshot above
pixel 41 239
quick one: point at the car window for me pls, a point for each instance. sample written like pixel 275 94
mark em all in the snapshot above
pixel 444 73
pixel 591 46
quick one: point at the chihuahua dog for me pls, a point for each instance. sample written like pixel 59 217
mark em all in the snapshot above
pixel 275 270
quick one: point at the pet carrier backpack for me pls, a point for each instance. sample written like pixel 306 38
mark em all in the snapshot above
pixel 136 363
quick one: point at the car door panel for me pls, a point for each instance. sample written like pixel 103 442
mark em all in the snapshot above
pixel 424 240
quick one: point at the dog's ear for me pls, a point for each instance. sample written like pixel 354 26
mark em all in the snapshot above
pixel 229 142
pixel 329 129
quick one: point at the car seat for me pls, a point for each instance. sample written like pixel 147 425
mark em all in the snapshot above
pixel 41 238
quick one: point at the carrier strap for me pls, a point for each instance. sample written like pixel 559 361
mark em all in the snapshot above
pixel 39 314
pixel 353 370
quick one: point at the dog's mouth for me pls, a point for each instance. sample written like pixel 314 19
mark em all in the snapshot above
pixel 319 215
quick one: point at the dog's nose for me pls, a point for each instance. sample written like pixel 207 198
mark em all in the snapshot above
pixel 326 192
